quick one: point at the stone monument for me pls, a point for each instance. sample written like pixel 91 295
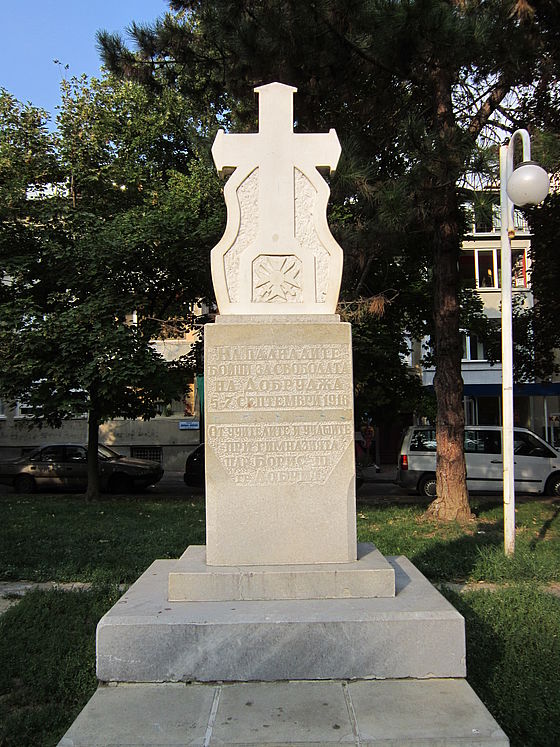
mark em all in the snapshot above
pixel 284 630
pixel 279 421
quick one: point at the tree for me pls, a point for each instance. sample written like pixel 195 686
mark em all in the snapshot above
pixel 103 227
pixel 411 87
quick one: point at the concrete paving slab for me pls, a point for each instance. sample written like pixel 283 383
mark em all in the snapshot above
pixel 145 638
pixel 373 713
pixel 444 712
pixel 165 714
pixel 192 580
pixel 283 713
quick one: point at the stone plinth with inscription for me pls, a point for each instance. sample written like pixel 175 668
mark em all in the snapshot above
pixel 279 443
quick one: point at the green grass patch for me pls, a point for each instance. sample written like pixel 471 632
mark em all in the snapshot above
pixel 47 663
pixel 47 641
pixel 475 553
pixel 513 659
pixel 63 538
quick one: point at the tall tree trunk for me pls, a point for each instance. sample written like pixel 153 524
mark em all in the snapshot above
pixel 452 501
pixel 452 498
pixel 92 491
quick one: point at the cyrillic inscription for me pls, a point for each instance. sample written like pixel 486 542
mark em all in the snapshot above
pixel 286 377
pixel 273 453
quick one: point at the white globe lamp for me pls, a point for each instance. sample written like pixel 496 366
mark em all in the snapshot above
pixel 528 184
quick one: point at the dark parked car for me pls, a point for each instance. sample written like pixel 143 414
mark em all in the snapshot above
pixel 195 473
pixel 194 468
pixel 65 466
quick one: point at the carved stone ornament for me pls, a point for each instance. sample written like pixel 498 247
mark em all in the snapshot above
pixel 277 255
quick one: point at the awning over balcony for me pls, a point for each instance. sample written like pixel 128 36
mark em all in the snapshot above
pixel 519 390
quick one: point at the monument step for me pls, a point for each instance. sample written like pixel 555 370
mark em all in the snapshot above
pixel 408 713
pixel 193 581
pixel 146 638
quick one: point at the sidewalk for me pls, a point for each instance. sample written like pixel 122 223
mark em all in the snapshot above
pixel 322 712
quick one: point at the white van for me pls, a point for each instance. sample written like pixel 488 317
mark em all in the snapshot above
pixel 537 464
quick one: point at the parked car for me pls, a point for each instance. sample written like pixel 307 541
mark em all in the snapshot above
pixel 65 466
pixel 195 470
pixel 537 464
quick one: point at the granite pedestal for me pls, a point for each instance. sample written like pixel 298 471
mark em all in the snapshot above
pixel 146 638
pixel 192 580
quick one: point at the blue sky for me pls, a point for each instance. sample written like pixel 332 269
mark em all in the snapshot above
pixel 36 32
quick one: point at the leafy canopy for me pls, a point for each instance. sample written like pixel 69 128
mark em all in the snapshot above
pixel 113 214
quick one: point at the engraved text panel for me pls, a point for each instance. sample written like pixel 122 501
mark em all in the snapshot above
pixel 241 378
pixel 301 381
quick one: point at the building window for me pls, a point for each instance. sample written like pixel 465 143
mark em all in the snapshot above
pixel 485 217
pixel 519 221
pixel 482 410
pixel 471 410
pixel 487 271
pixel 518 268
pixel 480 268
pixel 473 349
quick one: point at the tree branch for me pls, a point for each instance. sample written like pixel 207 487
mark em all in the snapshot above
pixel 480 119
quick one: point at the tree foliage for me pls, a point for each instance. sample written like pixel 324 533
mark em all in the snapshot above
pixel 109 216
pixel 411 88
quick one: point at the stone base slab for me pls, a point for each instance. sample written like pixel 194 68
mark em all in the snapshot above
pixel 408 713
pixel 194 581
pixel 146 638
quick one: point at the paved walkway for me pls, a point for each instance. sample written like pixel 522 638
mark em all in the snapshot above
pixel 385 713
pixel 12 591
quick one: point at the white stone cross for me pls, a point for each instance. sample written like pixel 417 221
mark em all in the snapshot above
pixel 277 255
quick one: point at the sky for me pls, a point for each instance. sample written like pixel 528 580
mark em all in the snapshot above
pixel 36 32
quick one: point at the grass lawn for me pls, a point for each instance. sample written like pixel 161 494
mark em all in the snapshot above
pixel 63 538
pixel 47 663
pixel 47 641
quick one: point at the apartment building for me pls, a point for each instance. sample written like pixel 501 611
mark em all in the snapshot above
pixel 536 404
pixel 167 438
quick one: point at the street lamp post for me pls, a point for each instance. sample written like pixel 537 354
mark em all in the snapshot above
pixel 527 184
